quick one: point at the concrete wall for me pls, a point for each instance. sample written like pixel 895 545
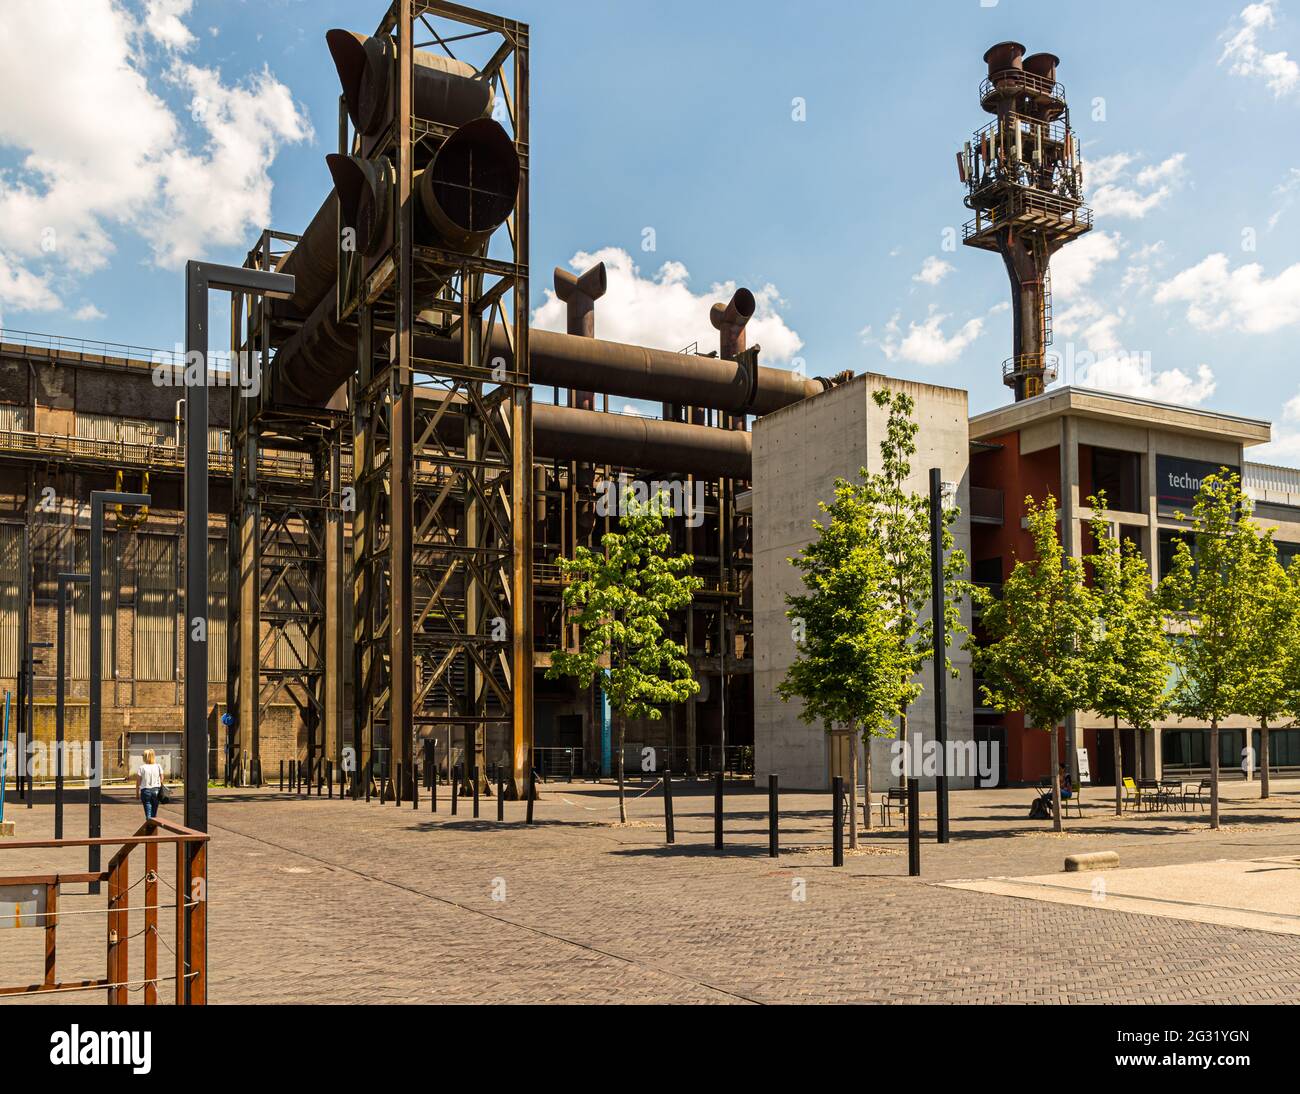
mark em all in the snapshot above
pixel 798 453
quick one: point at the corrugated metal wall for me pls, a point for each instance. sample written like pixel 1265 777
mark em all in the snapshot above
pixel 81 608
pixel 218 579
pixel 11 584
pixel 156 604
pixel 15 418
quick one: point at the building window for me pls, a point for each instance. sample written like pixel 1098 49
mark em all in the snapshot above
pixel 1119 474
pixel 155 608
pixel 1168 548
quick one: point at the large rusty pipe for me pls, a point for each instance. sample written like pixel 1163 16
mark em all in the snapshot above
pixel 647 444
pixel 443 89
pixel 559 360
pixel 730 320
pixel 579 295
pixel 313 262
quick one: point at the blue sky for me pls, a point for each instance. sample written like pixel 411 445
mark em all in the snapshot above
pixel 679 117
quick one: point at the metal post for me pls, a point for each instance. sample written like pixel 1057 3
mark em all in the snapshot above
pixel 913 827
pixel 98 500
pixel 32 662
pixel 669 831
pixel 501 795
pixel 60 694
pixel 281 776
pixel 837 821
pixel 717 811
pixel 455 788
pixel 773 818
pixel 532 793
pixel 940 659
pixel 200 278
pixel 474 776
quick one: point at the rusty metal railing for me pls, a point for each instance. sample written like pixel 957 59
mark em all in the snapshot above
pixel 41 910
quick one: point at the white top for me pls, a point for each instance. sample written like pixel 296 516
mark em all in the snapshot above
pixel 150 776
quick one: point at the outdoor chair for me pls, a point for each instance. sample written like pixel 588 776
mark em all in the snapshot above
pixel 1198 794
pixel 1149 790
pixel 1132 795
pixel 893 798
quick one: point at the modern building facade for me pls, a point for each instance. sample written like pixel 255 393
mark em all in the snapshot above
pixel 1148 458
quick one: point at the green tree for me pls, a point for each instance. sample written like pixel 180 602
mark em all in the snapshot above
pixel 1207 592
pixel 1130 657
pixel 900 518
pixel 620 598
pixel 1038 655
pixel 1272 644
pixel 851 663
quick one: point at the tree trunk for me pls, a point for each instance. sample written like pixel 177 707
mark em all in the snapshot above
pixel 1056 782
pixel 1214 772
pixel 622 804
pixel 1263 757
pixel 853 789
pixel 1119 770
pixel 1138 750
pixel 866 785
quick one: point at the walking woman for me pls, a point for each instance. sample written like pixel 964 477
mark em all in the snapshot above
pixel 148 781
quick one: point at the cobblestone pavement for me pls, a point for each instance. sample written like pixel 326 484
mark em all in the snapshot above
pixel 347 902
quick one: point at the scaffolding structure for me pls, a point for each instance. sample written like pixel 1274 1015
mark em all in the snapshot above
pixel 1024 181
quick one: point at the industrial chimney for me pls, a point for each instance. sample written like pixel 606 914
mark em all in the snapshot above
pixel 1024 181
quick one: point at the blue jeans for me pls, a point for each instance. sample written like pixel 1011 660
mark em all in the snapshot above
pixel 149 798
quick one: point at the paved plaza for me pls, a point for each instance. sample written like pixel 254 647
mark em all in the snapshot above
pixel 319 900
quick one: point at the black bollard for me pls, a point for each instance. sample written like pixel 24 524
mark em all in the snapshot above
pixel 501 797
pixel 913 828
pixel 329 777
pixel 717 811
pixel 669 831
pixel 455 788
pixel 433 789
pixel 281 776
pixel 415 785
pixel 773 837
pixel 370 774
pixel 837 821
pixel 532 795
pixel 293 775
pixel 473 774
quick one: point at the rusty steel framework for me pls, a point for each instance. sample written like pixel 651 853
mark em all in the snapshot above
pixel 1024 180
pixel 441 532
pixel 285 556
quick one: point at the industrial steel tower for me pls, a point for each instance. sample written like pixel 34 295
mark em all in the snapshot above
pixel 1024 180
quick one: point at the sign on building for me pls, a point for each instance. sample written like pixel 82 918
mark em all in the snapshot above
pixel 1178 480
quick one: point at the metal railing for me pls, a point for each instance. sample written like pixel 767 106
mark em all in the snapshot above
pixel 89 350
pixel 189 902
pixel 1031 205
pixel 1019 79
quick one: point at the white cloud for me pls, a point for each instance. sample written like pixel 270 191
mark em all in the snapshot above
pixel 87 312
pixel 1243 299
pixel 661 310
pixel 23 290
pixel 1106 169
pixel 216 195
pixel 1248 58
pixel 926 343
pixel 1076 264
pixel 933 270
pixel 1153 184
pixel 101 151
pixel 162 19
pixel 1131 374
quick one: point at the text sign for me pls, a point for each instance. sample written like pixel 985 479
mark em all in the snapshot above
pixel 22 905
pixel 1085 771
pixel 1178 480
